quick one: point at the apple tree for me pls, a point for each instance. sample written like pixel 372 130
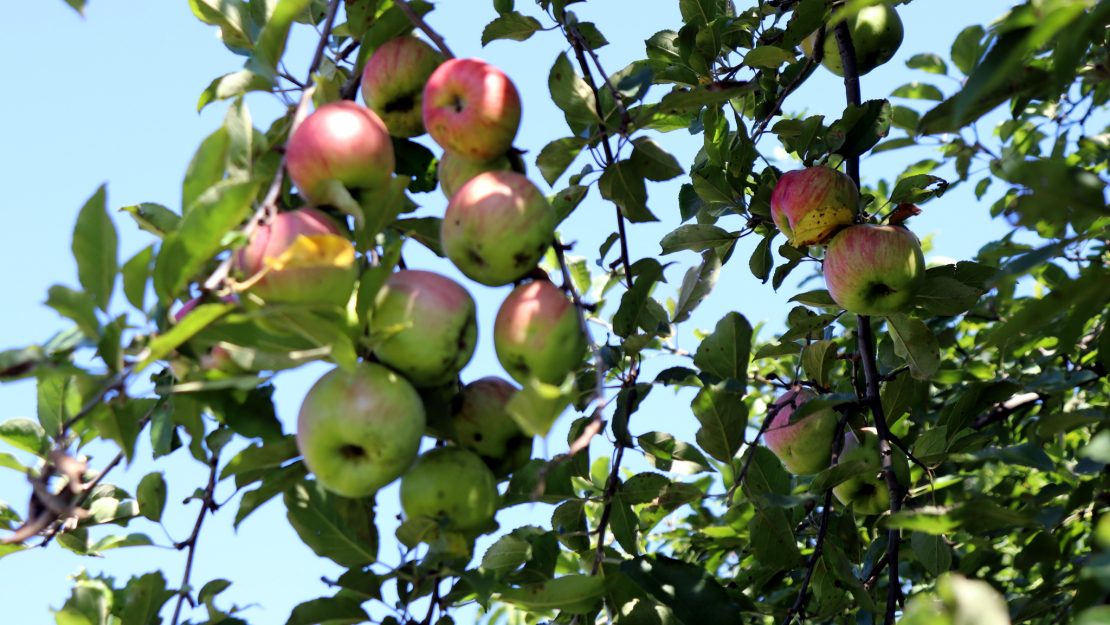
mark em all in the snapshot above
pixel 913 441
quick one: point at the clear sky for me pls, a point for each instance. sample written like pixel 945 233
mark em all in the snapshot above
pixel 112 98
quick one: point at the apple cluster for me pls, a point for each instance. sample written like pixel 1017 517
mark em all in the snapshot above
pixel 361 428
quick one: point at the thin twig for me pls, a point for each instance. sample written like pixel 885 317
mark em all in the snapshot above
pixel 208 504
pixel 419 22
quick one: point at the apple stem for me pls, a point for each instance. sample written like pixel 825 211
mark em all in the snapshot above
pixel 866 343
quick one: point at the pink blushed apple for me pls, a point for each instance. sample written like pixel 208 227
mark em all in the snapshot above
pixel 471 108
pixel 428 325
pixel 342 142
pixel 805 446
pixel 497 227
pixel 536 334
pixel 455 170
pixel 482 424
pixel 874 270
pixel 809 205
pixel 393 83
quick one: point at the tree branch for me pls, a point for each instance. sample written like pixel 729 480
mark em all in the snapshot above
pixel 419 22
pixel 208 503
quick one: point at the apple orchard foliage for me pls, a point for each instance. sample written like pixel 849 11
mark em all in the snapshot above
pixel 993 382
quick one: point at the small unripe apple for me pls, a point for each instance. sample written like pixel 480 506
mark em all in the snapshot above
pixel 393 83
pixel 497 227
pixel 471 108
pixel 867 492
pixel 809 205
pixel 428 326
pixel 360 430
pixel 874 270
pixel 453 485
pixel 455 170
pixel 299 257
pixel 876 35
pixel 536 334
pixel 805 446
pixel 341 142
pixel 482 424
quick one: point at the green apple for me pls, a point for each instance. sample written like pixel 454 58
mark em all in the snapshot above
pixel 536 334
pixel 876 35
pixel 360 430
pixel 453 485
pixel 483 425
pixel 455 170
pixel 805 446
pixel 874 270
pixel 427 324
pixel 867 492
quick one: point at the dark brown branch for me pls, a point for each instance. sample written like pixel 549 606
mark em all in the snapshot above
pixel 208 504
pixel 419 22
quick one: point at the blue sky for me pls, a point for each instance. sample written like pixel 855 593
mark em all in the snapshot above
pixel 112 98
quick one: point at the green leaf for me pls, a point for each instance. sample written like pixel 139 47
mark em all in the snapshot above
pixel 725 352
pixel 217 211
pixel 151 495
pixel 333 527
pixel 702 12
pixel 270 45
pixel 932 552
pixel 942 295
pixel 666 453
pixel 509 553
pixel 818 361
pixel 59 398
pixel 136 272
pixel 931 63
pixel 643 488
pixel 647 272
pixel 78 5
pixel 231 16
pixel 198 319
pixel 510 25
pixel 153 218
pixel 916 343
pixel 95 248
pixel 144 597
pixel 959 111
pixel 696 237
pixel 571 94
pixel 819 298
pixel 653 161
pixel 762 260
pixel 772 539
pixel 861 127
pixel 918 91
pixel 207 167
pixel 967 48
pixel 556 156
pixel 623 184
pixel 25 434
pixel 338 610
pixel 696 285
pixel 766 475
pixel 536 407
pixel 768 57
pixel 256 461
pixel 274 482
pixel 918 188
pixel 78 306
pixel 692 593
pixel 624 525
pixel 572 594
pixel 723 418
pixel 694 99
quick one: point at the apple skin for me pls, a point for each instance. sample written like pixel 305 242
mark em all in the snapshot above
pixel 360 430
pixel 482 424
pixel 341 141
pixel 804 447
pixel 471 108
pixel 455 170
pixel 324 274
pixel 437 326
pixel 809 205
pixel 453 484
pixel 868 493
pixel 393 83
pixel 874 270
pixel 536 334
pixel 876 36
pixel 497 227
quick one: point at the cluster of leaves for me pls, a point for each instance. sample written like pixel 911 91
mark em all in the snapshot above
pixel 994 383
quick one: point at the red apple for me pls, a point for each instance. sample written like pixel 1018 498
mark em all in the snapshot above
pixel 360 430
pixel 428 326
pixel 805 446
pixel 472 108
pixel 393 83
pixel 482 424
pixel 300 256
pixel 874 270
pixel 536 334
pixel 455 170
pixel 810 205
pixel 342 142
pixel 497 227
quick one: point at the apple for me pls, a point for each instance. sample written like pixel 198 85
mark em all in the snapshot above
pixel 874 270
pixel 805 446
pixel 536 334
pixel 482 424
pixel 393 83
pixel 455 170
pixel 497 227
pixel 341 142
pixel 299 257
pixel 360 430
pixel 428 326
pixel 471 108
pixel 453 485
pixel 809 205
pixel 867 492
pixel 876 35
